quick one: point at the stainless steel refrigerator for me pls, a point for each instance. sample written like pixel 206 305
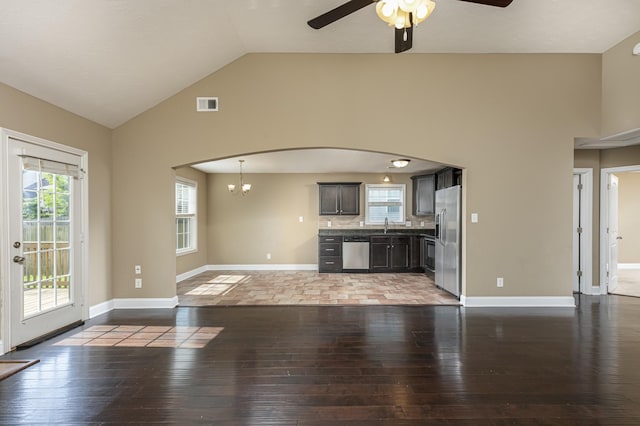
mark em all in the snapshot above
pixel 448 222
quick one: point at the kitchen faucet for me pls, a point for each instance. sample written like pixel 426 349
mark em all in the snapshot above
pixel 386 224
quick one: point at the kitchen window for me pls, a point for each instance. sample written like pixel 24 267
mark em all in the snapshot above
pixel 186 218
pixel 385 201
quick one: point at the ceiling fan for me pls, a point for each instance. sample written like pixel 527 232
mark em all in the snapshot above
pixel 402 14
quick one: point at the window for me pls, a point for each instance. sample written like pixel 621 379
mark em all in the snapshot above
pixel 186 220
pixel 385 201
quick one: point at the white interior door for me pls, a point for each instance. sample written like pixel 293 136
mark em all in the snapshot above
pixel 576 233
pixel 45 238
pixel 612 264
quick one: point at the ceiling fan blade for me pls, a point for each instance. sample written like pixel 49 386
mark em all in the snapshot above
pixel 497 3
pixel 401 43
pixel 338 13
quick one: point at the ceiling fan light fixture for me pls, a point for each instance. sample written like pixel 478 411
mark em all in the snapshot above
pixel 404 13
pixel 387 9
pixel 407 5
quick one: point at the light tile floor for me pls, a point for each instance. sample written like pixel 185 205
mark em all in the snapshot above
pixel 142 336
pixel 310 288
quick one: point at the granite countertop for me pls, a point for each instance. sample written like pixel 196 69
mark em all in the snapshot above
pixel 369 232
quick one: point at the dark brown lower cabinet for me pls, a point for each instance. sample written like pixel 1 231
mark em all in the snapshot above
pixel 330 254
pixel 389 253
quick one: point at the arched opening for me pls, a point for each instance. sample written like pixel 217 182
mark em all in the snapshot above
pixel 275 225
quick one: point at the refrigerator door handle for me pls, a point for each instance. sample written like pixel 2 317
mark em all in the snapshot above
pixel 440 228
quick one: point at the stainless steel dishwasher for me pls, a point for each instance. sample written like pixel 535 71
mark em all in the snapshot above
pixel 355 253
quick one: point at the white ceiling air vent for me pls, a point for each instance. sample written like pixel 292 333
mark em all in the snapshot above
pixel 206 104
pixel 628 138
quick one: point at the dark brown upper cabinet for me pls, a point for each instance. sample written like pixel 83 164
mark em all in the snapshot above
pixel 339 198
pixel 424 189
pixel 448 177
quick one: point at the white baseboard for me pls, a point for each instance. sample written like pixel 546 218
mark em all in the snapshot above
pixel 192 273
pixel 142 303
pixel 255 267
pixel 628 265
pixel 506 302
pixel 133 303
pixel 100 308
pixel 265 267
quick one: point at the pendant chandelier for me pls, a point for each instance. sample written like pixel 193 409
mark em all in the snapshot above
pixel 404 13
pixel 244 187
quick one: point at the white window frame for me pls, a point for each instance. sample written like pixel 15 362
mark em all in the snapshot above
pixel 192 215
pixel 402 204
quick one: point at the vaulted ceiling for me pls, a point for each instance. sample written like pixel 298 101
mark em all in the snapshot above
pixel 109 60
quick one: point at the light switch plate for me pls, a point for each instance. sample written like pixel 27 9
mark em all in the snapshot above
pixel 474 217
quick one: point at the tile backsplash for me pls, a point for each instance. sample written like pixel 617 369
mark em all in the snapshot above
pixel 352 222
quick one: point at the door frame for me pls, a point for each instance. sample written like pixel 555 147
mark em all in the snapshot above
pixel 5 262
pixel 604 220
pixel 586 242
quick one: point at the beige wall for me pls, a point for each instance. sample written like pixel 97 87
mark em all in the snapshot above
pixel 242 230
pixel 26 114
pixel 191 261
pixel 620 157
pixel 621 87
pixel 508 119
pixel 629 217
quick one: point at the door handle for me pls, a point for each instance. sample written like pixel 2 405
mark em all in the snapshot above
pixel 618 238
pixel 18 259
pixel 441 231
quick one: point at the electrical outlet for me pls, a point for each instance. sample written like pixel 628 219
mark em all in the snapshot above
pixel 268 256
pixel 300 219
pixel 500 282
pixel 138 269
pixel 138 282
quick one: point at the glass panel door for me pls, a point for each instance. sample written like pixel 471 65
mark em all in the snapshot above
pixel 45 232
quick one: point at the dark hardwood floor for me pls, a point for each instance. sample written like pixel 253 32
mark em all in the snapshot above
pixel 361 365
